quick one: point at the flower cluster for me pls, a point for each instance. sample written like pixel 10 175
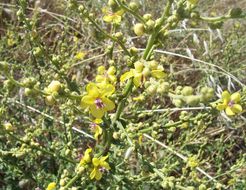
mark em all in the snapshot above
pixel 96 165
pixel 53 89
pixel 106 76
pixel 142 70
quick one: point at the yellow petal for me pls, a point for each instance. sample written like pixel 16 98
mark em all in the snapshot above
pixel 225 96
pixel 101 70
pixel 98 175
pixel 158 74
pixel 98 131
pixel 137 80
pixel 100 78
pixel 127 75
pixel 105 165
pixel 108 18
pixel 51 186
pixel 96 162
pixel 103 158
pixel 92 90
pixel 93 173
pixel 97 113
pixel 116 19
pixel 97 121
pixel 229 111
pixel 88 100
pixel 221 107
pixel 236 108
pixel 120 12
pixel 80 55
pixel 107 89
pixel 109 105
pixel 235 97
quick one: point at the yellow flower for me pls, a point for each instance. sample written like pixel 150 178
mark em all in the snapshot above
pixel 96 128
pixel 112 17
pixel 106 76
pixel 80 55
pixel 51 186
pixel 99 166
pixel 86 158
pixel 230 103
pixel 141 71
pixel 96 99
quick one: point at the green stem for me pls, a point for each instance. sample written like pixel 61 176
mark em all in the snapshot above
pixel 130 11
pixel 73 180
pixel 121 104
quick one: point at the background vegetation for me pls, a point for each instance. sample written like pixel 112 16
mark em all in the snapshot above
pixel 157 144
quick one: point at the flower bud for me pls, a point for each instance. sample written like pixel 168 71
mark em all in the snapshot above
pixel 187 90
pixel 49 100
pixel 150 24
pixel 147 17
pixel 37 52
pixel 192 100
pixel 8 127
pixel 139 29
pixel 28 91
pixel 146 71
pixel 202 187
pixel 118 35
pixel 153 64
pixel 151 89
pixel 111 70
pixel 29 82
pixel 195 15
pixel 133 50
pixel 4 66
pixel 54 86
pixel 133 5
pixel 163 88
pixel 138 66
pixel 112 3
pixel 177 102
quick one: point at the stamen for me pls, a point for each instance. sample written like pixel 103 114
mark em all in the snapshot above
pixel 231 103
pixel 99 103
